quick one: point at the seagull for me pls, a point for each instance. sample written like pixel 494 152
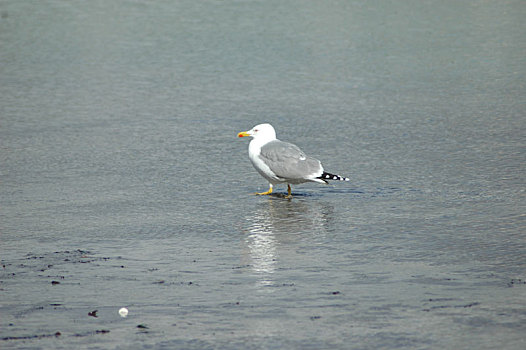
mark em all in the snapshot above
pixel 283 162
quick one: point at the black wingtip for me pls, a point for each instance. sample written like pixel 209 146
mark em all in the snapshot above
pixel 328 176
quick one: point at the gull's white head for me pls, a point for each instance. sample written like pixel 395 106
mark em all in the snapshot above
pixel 262 131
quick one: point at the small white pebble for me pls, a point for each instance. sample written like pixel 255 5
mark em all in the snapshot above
pixel 123 312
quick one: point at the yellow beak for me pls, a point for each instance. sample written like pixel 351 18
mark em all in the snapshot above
pixel 243 134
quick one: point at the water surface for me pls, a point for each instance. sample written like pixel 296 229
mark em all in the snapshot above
pixel 123 183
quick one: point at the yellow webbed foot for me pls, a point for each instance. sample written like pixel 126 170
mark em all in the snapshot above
pixel 264 193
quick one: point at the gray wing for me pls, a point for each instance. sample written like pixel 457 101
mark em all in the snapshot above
pixel 288 161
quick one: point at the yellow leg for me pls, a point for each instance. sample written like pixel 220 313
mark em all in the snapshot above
pixel 268 192
pixel 290 191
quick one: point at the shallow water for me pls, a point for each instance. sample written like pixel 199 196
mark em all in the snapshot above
pixel 123 183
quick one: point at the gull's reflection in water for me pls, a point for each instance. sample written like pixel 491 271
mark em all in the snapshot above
pixel 277 222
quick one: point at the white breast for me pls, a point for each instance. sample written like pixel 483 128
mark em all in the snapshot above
pixel 254 149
